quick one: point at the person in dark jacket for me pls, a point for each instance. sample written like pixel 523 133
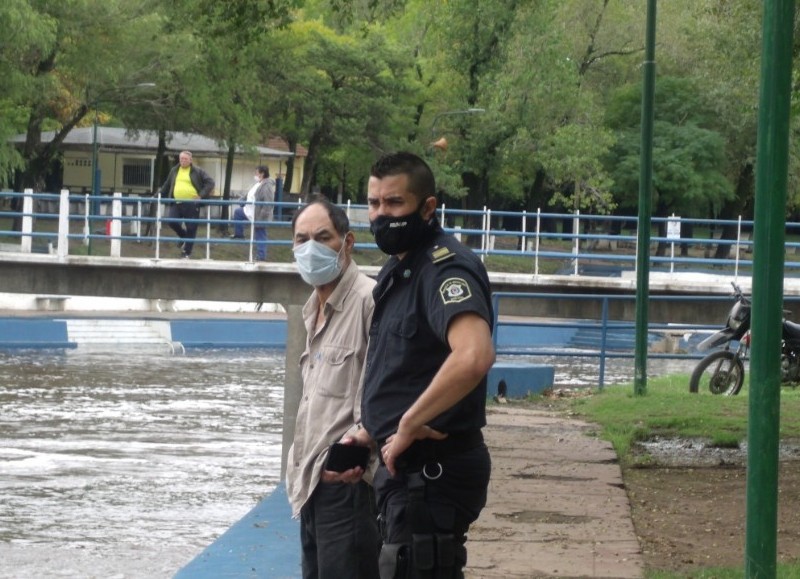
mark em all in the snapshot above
pixel 187 185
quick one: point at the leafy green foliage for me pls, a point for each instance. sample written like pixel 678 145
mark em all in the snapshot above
pixel 689 157
pixel 574 155
pixel 343 93
pixel 558 81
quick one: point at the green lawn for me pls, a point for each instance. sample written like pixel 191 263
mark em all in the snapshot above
pixel 669 410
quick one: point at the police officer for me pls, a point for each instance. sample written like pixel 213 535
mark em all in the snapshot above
pixel 424 400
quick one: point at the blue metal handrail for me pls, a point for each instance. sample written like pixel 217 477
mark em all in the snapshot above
pixel 530 234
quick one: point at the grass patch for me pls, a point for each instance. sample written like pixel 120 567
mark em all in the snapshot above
pixel 669 410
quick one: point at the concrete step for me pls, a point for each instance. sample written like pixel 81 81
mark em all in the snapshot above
pixel 115 332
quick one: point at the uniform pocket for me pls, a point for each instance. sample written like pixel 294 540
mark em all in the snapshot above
pixel 404 327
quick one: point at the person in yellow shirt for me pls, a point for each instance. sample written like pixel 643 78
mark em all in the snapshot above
pixel 187 185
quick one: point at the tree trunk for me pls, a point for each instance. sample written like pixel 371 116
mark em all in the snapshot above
pixel 310 166
pixel 733 209
pixel 290 162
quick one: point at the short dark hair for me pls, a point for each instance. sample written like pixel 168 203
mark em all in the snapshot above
pixel 338 215
pixel 263 169
pixel 421 182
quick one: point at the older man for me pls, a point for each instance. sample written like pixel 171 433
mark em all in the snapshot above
pixel 338 529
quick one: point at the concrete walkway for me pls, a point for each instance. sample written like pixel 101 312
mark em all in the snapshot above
pixel 557 508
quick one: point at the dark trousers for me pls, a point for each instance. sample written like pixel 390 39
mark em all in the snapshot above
pixel 339 533
pixel 183 219
pixel 453 500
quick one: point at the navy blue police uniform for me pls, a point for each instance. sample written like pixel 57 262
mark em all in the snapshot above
pixel 440 486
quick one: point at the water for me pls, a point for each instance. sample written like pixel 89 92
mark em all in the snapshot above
pixel 129 465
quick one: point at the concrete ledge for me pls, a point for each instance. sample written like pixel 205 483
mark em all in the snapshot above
pixel 264 543
pixel 50 303
pixel 519 380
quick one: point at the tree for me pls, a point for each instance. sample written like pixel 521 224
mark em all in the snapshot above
pixel 337 92
pixel 572 156
pixel 217 94
pixel 96 51
pixel 689 160
pixel 24 35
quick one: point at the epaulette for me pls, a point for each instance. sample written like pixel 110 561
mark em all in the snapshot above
pixel 440 254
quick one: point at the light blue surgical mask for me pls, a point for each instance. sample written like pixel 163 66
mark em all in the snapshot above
pixel 317 263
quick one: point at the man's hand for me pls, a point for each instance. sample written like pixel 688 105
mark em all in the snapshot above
pixel 353 475
pixel 399 442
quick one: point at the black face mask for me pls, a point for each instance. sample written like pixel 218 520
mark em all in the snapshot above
pixel 395 235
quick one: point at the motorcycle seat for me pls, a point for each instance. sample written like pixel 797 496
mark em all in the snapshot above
pixel 791 330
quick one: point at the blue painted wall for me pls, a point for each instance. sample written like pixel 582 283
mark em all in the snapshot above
pixel 40 332
pixel 33 333
pixel 229 333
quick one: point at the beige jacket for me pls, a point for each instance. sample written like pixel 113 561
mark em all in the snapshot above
pixel 332 367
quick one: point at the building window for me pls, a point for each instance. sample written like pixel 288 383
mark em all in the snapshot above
pixel 136 172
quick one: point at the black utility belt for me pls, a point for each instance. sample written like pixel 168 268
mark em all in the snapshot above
pixel 426 451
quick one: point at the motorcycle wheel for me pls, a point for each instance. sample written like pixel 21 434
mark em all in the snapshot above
pixel 722 372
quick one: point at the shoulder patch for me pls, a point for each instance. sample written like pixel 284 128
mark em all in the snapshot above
pixel 454 290
pixel 439 254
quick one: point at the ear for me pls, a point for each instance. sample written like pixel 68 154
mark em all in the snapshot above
pixel 349 241
pixel 428 208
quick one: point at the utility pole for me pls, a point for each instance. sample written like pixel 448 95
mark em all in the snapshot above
pixel 769 233
pixel 645 203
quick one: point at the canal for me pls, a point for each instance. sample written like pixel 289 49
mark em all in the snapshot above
pixel 128 464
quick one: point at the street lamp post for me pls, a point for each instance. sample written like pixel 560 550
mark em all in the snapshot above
pixel 95 166
pixel 96 173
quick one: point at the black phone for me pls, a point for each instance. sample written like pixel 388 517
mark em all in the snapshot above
pixel 342 457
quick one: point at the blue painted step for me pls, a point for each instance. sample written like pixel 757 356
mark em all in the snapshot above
pixel 616 339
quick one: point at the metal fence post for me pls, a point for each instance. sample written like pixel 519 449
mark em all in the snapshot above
pixel 26 241
pixel 116 225
pixel 63 224
pixel 576 246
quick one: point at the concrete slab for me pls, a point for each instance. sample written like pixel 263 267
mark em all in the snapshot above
pixel 557 506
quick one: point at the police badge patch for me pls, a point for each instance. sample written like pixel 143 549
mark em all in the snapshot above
pixel 454 290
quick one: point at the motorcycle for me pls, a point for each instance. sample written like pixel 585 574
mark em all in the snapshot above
pixel 722 371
